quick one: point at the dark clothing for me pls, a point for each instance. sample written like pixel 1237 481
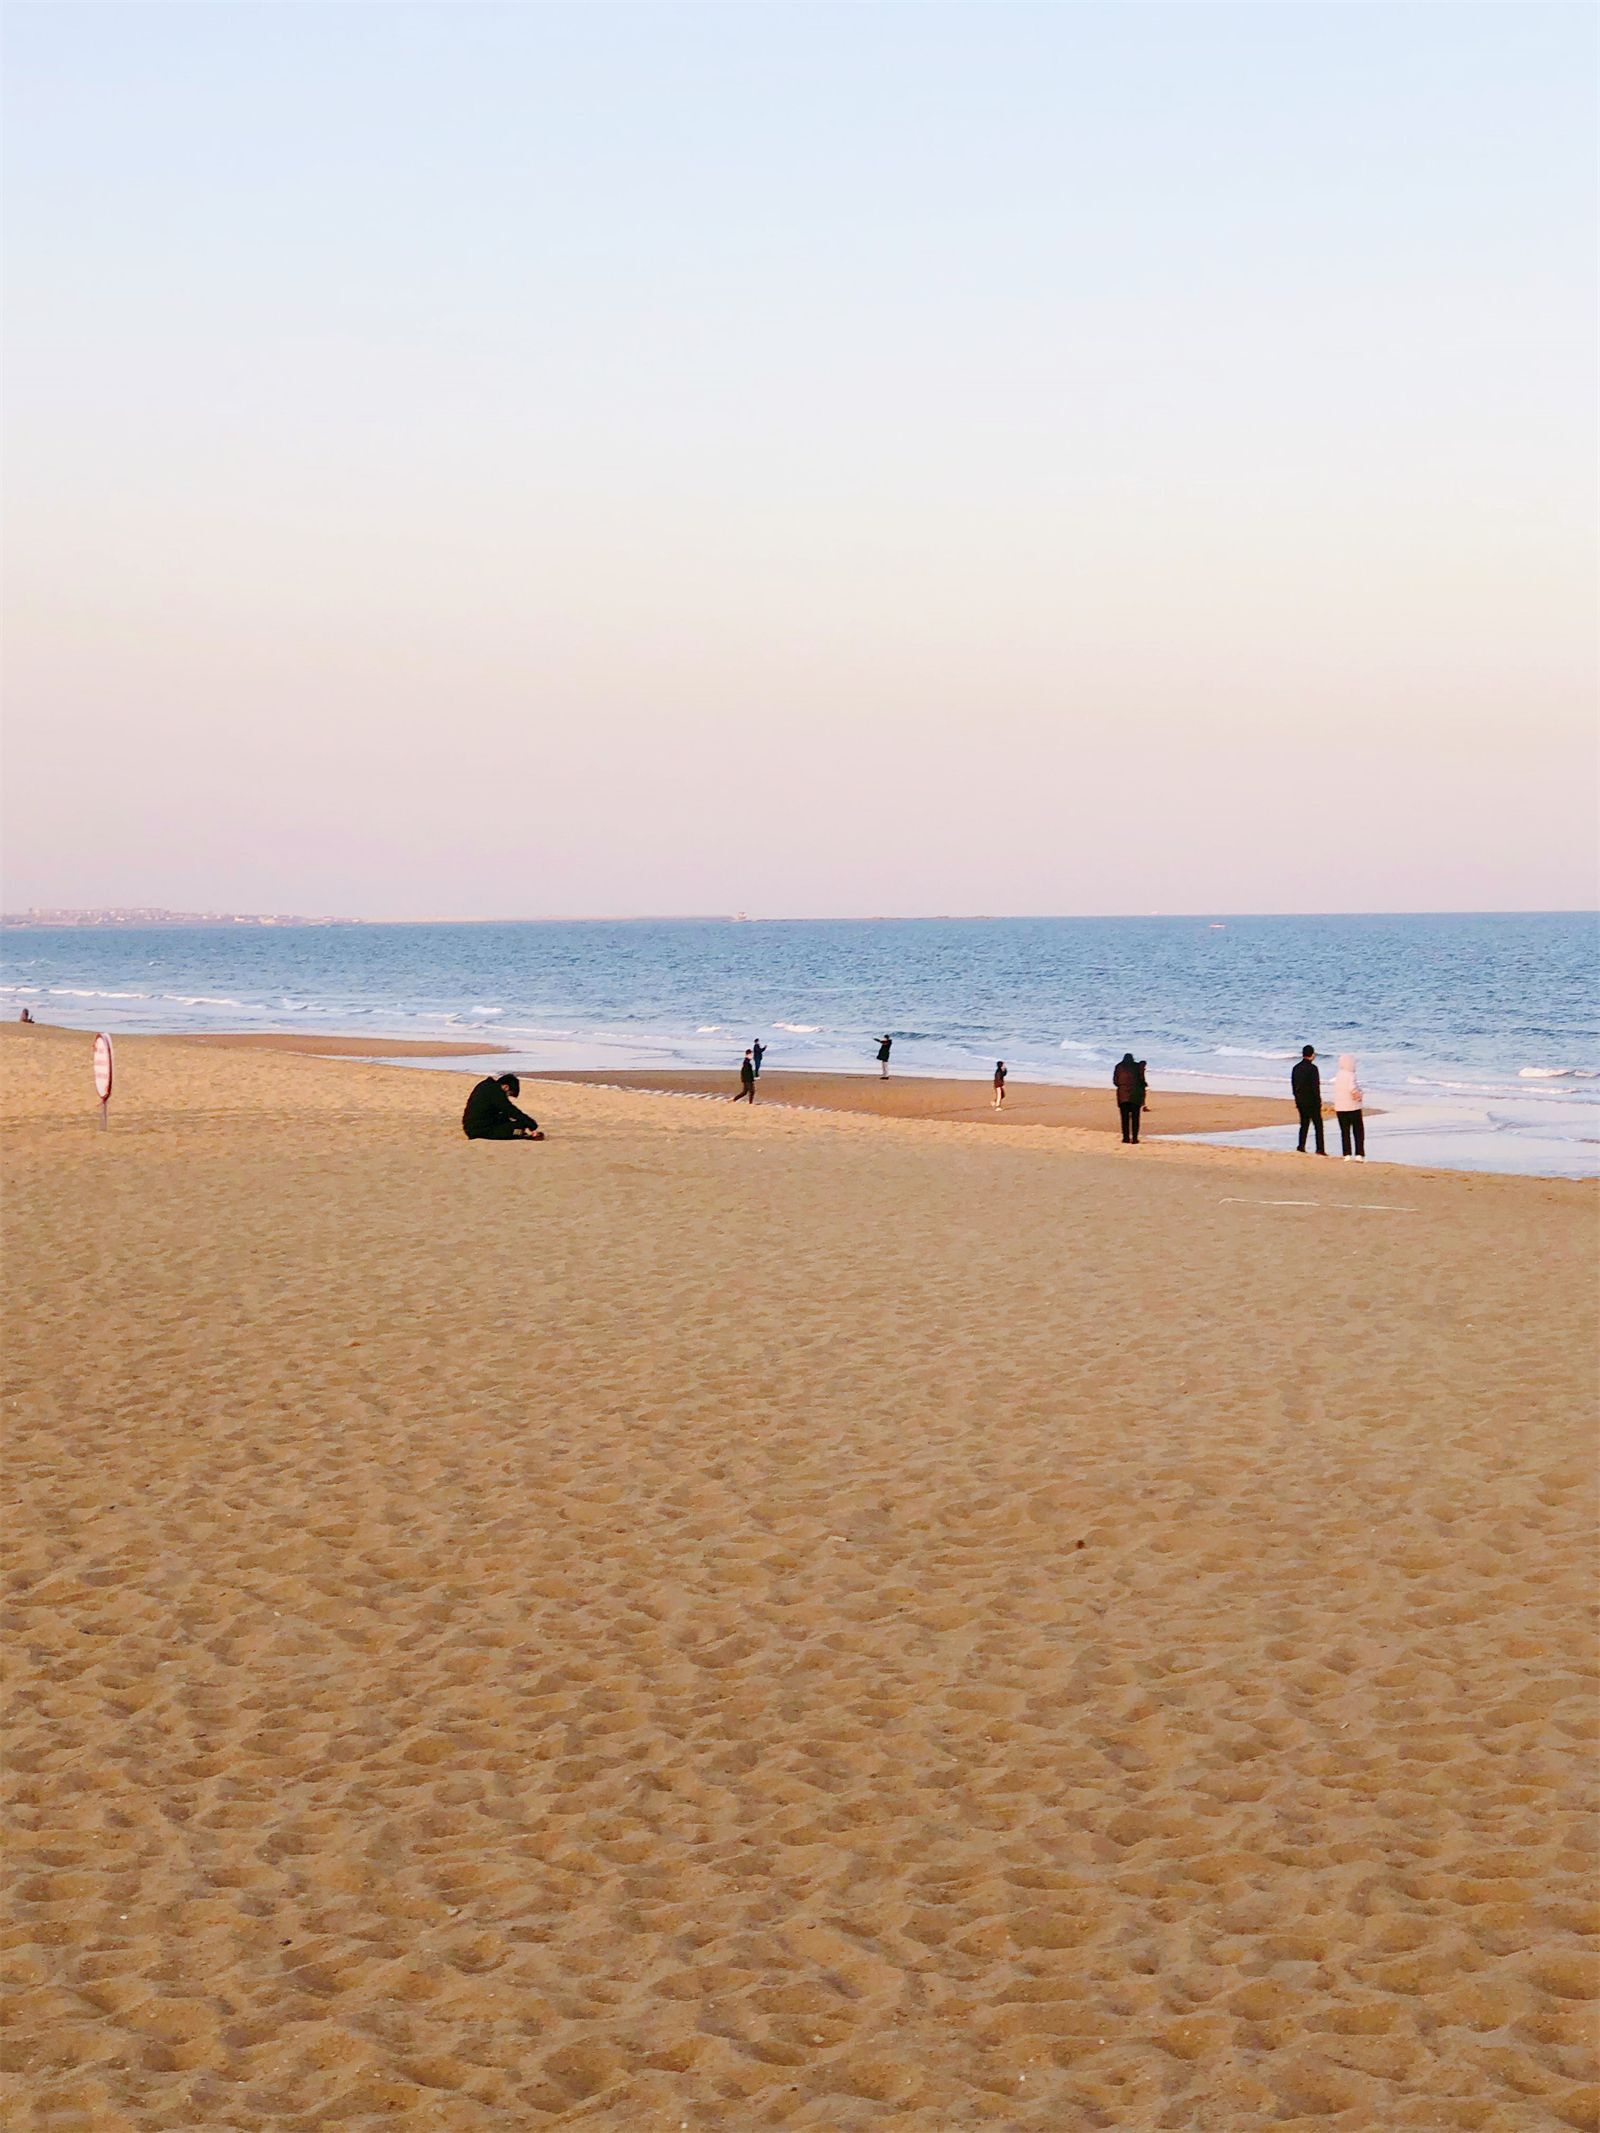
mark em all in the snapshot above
pixel 1352 1127
pixel 758 1052
pixel 490 1115
pixel 1127 1077
pixel 747 1083
pixel 883 1051
pixel 1311 1122
pixel 1130 1122
pixel 1306 1082
pixel 999 1077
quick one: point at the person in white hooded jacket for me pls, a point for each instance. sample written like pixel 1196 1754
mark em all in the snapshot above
pixel 1347 1110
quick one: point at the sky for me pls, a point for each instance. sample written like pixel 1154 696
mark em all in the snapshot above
pixel 501 460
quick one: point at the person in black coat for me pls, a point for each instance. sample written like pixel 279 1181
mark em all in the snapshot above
pixel 1127 1078
pixel 747 1080
pixel 1306 1082
pixel 490 1114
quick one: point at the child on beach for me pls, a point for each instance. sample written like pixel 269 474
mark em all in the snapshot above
pixel 999 1083
pixel 884 1050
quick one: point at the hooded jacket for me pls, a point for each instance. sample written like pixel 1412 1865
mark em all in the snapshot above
pixel 1346 1089
pixel 1127 1077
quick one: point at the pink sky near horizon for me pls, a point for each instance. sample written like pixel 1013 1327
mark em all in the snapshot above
pixel 510 462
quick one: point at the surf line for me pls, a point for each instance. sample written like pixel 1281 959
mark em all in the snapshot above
pixel 1365 1207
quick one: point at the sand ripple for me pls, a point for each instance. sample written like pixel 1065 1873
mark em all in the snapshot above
pixel 734 1622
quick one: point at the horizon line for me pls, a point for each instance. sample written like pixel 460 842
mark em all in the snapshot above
pixel 97 916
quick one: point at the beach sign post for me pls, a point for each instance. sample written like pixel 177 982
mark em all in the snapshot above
pixel 102 1074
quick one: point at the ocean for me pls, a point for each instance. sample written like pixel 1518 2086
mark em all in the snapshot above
pixel 1475 1033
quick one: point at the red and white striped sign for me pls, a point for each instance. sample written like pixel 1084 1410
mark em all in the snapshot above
pixel 102 1068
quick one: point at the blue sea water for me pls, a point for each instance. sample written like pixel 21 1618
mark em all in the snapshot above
pixel 1477 1034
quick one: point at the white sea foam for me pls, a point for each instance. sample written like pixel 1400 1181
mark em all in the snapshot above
pixel 1244 1051
pixel 1071 1044
pixel 707 1029
pixel 1558 1074
pixel 800 1029
pixel 1458 1088
pixel 79 992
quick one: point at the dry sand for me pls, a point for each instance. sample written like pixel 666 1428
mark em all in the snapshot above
pixel 733 1619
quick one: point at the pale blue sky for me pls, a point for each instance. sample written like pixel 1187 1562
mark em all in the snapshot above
pixel 812 459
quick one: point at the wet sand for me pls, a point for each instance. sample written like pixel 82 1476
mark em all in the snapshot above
pixel 741 1618
pixel 340 1047
pixel 924 1097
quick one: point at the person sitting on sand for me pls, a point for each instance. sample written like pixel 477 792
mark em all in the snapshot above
pixel 884 1049
pixel 1347 1110
pixel 999 1083
pixel 26 1015
pixel 1127 1078
pixel 490 1114
pixel 747 1079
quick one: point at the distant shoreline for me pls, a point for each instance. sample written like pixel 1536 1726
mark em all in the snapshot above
pixel 114 920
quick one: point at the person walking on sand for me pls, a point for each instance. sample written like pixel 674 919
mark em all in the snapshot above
pixel 999 1084
pixel 758 1052
pixel 1347 1110
pixel 747 1080
pixel 1127 1078
pixel 1306 1082
pixel 884 1049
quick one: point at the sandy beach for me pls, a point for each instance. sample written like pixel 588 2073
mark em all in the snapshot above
pixel 760 1617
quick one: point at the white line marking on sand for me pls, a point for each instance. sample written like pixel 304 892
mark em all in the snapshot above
pixel 1366 1207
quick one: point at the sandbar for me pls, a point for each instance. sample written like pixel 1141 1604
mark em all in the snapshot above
pixel 951 1098
pixel 315 1047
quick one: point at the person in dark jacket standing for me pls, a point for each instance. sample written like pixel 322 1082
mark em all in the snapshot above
pixel 1306 1082
pixel 758 1052
pixel 1127 1078
pixel 884 1050
pixel 999 1084
pixel 490 1114
pixel 747 1080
